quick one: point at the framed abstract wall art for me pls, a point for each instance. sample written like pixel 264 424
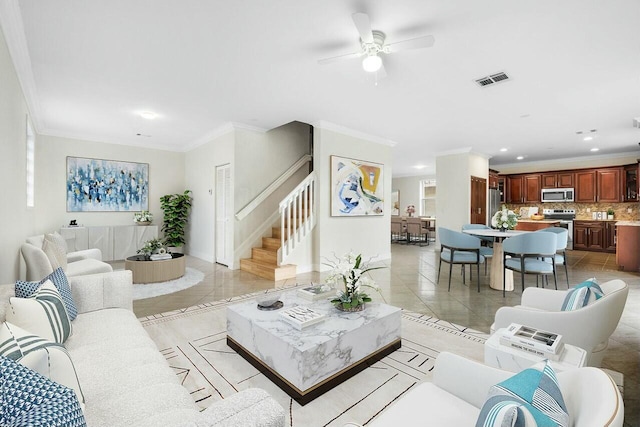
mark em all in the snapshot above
pixel 356 187
pixel 98 185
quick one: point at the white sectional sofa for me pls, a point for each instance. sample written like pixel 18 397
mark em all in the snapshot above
pixel 125 380
pixel 79 263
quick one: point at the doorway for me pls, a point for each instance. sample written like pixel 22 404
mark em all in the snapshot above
pixel 478 200
pixel 223 214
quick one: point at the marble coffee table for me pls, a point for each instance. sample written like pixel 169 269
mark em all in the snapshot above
pixel 306 363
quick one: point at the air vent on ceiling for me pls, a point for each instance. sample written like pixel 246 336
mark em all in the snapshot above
pixel 492 79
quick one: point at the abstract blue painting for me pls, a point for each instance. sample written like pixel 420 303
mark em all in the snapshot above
pixel 356 187
pixel 97 185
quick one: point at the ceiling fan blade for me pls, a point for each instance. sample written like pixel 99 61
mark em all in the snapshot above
pixel 417 43
pixel 361 20
pixel 340 58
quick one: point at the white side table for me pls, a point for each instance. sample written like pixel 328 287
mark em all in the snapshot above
pixel 514 360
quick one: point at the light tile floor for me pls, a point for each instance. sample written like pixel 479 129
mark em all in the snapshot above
pixel 410 282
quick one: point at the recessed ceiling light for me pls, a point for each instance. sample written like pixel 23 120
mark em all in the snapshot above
pixel 587 138
pixel 149 115
pixel 519 157
pixel 503 149
pixel 419 166
pixel 595 149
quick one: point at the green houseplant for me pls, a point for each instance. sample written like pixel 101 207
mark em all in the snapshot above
pixel 176 208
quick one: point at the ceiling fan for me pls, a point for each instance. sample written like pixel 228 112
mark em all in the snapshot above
pixel 372 44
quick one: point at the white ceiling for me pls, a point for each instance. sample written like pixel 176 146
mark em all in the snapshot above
pixel 89 66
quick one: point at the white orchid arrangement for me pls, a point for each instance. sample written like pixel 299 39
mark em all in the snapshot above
pixel 504 219
pixel 348 271
pixel 143 216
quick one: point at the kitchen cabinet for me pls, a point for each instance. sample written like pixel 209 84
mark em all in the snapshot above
pixel 515 189
pixel 502 189
pixel 598 236
pixel 557 180
pixel 610 236
pixel 630 183
pixel 608 185
pixel 493 179
pixel 532 186
pixel 585 189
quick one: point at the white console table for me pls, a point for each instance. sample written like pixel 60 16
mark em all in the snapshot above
pixel 116 241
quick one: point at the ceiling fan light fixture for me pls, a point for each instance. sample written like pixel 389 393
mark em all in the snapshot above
pixel 372 63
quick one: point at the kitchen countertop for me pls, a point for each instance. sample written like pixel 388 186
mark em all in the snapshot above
pixel 541 221
pixel 598 220
pixel 628 223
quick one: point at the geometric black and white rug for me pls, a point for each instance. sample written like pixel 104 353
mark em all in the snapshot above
pixel 194 342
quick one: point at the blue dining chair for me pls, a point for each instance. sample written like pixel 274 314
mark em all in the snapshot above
pixel 525 254
pixel 562 237
pixel 459 248
pixel 485 251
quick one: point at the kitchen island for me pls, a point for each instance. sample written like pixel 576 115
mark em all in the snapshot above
pixel 534 225
pixel 628 245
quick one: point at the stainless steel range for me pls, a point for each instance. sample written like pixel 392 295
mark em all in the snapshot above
pixel 566 217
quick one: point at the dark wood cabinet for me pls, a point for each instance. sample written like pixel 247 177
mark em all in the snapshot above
pixel 608 185
pixel 594 236
pixel 610 242
pixel 557 180
pixel 532 187
pixel 515 189
pixel 585 189
pixel 493 179
pixel 630 183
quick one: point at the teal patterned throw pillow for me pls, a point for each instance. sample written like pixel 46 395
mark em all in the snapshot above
pixel 582 295
pixel 529 398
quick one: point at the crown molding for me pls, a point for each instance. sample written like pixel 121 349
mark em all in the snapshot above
pixel 321 124
pixel 13 29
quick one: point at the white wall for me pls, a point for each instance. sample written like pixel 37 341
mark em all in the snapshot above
pixel 166 176
pixel 369 236
pixel 409 188
pixel 200 178
pixel 453 177
pixel 16 220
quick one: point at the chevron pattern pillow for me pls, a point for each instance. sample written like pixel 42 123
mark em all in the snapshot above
pixel 42 314
pixel 529 398
pixel 582 295
pixel 45 357
pixel 60 281
pixel 30 399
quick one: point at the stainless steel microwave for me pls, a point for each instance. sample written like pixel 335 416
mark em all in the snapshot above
pixel 557 194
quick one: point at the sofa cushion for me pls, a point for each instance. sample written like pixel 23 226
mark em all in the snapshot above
pixel 532 397
pixel 30 399
pixel 582 295
pixel 60 242
pixel 42 314
pixel 57 256
pixel 60 281
pixel 87 266
pixel 45 357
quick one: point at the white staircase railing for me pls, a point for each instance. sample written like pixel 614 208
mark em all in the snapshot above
pixel 297 216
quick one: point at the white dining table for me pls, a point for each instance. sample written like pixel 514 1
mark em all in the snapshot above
pixel 497 263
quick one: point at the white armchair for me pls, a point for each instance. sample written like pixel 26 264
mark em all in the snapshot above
pixel 589 327
pixel 460 387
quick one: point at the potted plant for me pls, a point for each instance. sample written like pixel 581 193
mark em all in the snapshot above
pixel 176 209
pixel 610 213
pixel 143 218
pixel 348 272
pixel 151 247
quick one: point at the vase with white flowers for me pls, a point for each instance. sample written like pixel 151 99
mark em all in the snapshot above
pixel 348 272
pixel 504 219
pixel 411 209
pixel 143 218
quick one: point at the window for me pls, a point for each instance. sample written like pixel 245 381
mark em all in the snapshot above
pixel 31 157
pixel 428 197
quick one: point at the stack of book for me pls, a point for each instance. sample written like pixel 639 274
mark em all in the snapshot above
pixel 316 292
pixel 158 257
pixel 301 316
pixel 531 340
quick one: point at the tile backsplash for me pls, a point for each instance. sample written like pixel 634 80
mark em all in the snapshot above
pixel 584 210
